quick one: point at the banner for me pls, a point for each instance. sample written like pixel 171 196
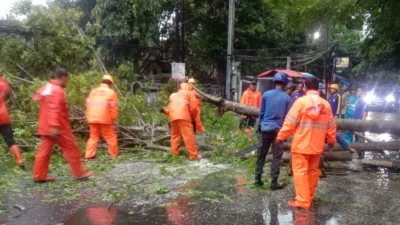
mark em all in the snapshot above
pixel 342 63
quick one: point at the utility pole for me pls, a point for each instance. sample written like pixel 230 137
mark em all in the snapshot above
pixel 182 31
pixel 229 49
pixel 177 34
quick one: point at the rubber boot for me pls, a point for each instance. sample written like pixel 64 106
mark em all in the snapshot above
pixel 17 155
pixel 275 185
pixel 258 180
pixel 248 132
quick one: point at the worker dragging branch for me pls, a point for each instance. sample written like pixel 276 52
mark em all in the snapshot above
pixel 182 111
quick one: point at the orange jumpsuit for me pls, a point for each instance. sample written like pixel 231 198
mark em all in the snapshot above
pixel 182 110
pixel 5 123
pixel 101 112
pixel 250 98
pixel 199 125
pixel 311 122
pixel 53 112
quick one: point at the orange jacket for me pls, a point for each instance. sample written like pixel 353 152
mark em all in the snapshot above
pixel 311 122
pixel 53 111
pixel 251 98
pixel 4 90
pixel 182 105
pixel 102 105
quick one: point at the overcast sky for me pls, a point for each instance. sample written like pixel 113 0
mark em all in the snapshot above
pixel 5 5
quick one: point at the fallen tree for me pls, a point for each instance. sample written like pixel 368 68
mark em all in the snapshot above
pixel 374 126
pixel 367 147
pixel 328 156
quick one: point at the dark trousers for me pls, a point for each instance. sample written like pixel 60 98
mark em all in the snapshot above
pixel 7 133
pixel 268 138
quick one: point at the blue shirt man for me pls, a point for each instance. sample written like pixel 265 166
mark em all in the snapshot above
pixel 335 100
pixel 275 104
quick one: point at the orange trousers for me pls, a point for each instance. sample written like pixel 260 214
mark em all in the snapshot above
pixel 70 152
pixel 305 175
pixel 108 132
pixel 183 129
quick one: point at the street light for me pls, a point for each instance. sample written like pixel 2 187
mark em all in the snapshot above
pixel 317 35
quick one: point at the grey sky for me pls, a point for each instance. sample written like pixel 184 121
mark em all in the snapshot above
pixel 5 5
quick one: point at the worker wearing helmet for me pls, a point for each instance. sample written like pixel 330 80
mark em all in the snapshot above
pixel 102 113
pixel 5 123
pixel 251 97
pixel 182 110
pixel 335 100
pixel 198 125
pixel 275 104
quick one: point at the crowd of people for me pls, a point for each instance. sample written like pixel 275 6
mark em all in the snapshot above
pixel 308 116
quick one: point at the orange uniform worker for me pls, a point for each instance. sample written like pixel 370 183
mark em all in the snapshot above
pixel 182 110
pixel 5 123
pixel 199 125
pixel 55 128
pixel 250 97
pixel 311 122
pixel 101 112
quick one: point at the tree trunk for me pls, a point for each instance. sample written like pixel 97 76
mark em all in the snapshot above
pixel 367 147
pixel 373 126
pixel 328 156
pixel 382 163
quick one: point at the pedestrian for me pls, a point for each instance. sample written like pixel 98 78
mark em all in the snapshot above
pixel 55 128
pixel 5 123
pixel 299 93
pixel 290 88
pixel 182 111
pixel 345 97
pixel 250 97
pixel 102 114
pixel 335 100
pixel 311 122
pixel 198 124
pixel 275 104
pixel 321 90
pixel 357 108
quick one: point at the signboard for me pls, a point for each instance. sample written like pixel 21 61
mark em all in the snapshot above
pixel 178 71
pixel 342 63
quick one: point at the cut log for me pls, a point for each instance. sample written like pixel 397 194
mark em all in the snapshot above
pixel 381 163
pixel 373 126
pixel 342 156
pixel 367 147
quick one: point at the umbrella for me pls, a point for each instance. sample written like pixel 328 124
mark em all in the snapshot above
pixel 290 73
pixel 309 75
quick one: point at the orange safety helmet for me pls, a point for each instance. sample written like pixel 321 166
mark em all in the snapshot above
pixel 107 77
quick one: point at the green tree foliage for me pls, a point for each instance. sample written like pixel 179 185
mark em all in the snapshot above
pixel 54 41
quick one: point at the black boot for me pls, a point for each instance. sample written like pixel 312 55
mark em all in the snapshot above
pixel 258 181
pixel 275 185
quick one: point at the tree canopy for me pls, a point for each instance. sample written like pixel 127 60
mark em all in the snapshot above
pixel 127 33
